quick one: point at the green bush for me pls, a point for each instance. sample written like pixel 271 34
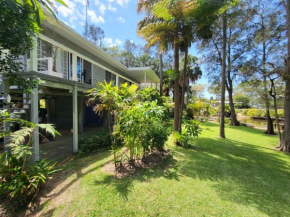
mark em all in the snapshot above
pixel 19 185
pixel 227 120
pixel 253 112
pixel 157 136
pixel 185 139
pixel 92 143
pixel 280 113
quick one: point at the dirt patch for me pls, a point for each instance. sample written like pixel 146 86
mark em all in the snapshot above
pixel 129 169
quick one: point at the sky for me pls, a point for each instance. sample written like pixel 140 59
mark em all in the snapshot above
pixel 118 19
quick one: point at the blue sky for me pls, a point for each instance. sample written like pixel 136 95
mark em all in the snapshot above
pixel 118 19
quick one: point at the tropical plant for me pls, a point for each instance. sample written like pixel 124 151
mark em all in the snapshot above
pixel 134 126
pixel 20 179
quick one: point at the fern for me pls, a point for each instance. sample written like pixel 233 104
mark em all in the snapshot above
pixel 49 128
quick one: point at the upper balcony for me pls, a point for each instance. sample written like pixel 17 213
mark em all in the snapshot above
pixel 63 53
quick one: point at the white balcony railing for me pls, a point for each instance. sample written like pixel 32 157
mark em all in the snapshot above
pixel 45 66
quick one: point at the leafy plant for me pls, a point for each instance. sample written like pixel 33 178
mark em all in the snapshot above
pixel 20 179
pixel 92 143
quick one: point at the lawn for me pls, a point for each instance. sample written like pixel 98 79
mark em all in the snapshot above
pixel 239 176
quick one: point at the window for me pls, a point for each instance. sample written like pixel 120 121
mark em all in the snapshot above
pixel 108 77
pixel 80 69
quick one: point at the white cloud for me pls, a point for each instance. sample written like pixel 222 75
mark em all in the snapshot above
pixel 97 2
pixel 65 11
pixel 111 8
pixel 83 2
pixel 111 43
pixel 120 2
pixel 102 9
pixel 118 42
pixel 95 18
pixel 121 19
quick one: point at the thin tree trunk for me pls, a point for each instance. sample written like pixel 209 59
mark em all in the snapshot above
pixel 176 83
pixel 229 84
pixel 270 127
pixel 161 74
pixel 183 89
pixel 285 143
pixel 222 112
pixel 273 94
pixel 187 94
pixel 234 120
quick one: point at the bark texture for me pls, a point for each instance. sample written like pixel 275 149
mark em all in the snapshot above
pixel 176 83
pixel 161 73
pixel 183 89
pixel 285 143
pixel 222 112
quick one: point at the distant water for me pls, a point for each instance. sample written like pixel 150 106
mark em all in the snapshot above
pixel 262 124
pixel 257 123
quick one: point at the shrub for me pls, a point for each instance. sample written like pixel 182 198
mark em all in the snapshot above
pixel 134 127
pixel 227 120
pixel 92 143
pixel 185 139
pixel 157 136
pixel 20 184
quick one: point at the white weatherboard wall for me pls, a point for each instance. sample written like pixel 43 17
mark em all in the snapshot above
pixel 99 74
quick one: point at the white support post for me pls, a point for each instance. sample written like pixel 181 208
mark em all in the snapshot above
pixel 117 81
pixel 75 119
pixel 34 119
pixel 151 83
pixel 81 114
pixel 145 79
pixel 74 67
pixel 33 57
pixel 6 106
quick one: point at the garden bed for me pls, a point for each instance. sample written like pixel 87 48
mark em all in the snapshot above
pixel 129 169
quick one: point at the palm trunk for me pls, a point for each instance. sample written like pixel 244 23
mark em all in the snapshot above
pixel 285 143
pixel 161 74
pixel 183 89
pixel 222 112
pixel 176 83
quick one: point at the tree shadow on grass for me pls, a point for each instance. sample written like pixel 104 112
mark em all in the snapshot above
pixel 59 184
pixel 166 169
pixel 243 173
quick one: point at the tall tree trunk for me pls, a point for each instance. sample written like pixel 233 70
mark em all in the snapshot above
pixel 273 94
pixel 161 74
pixel 270 127
pixel 285 143
pixel 229 85
pixel 183 88
pixel 176 83
pixel 222 112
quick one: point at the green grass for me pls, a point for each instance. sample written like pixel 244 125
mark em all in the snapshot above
pixel 239 176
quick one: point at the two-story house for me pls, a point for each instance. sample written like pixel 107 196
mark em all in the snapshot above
pixel 69 66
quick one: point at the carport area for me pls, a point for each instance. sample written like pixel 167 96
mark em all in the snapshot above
pixel 60 102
